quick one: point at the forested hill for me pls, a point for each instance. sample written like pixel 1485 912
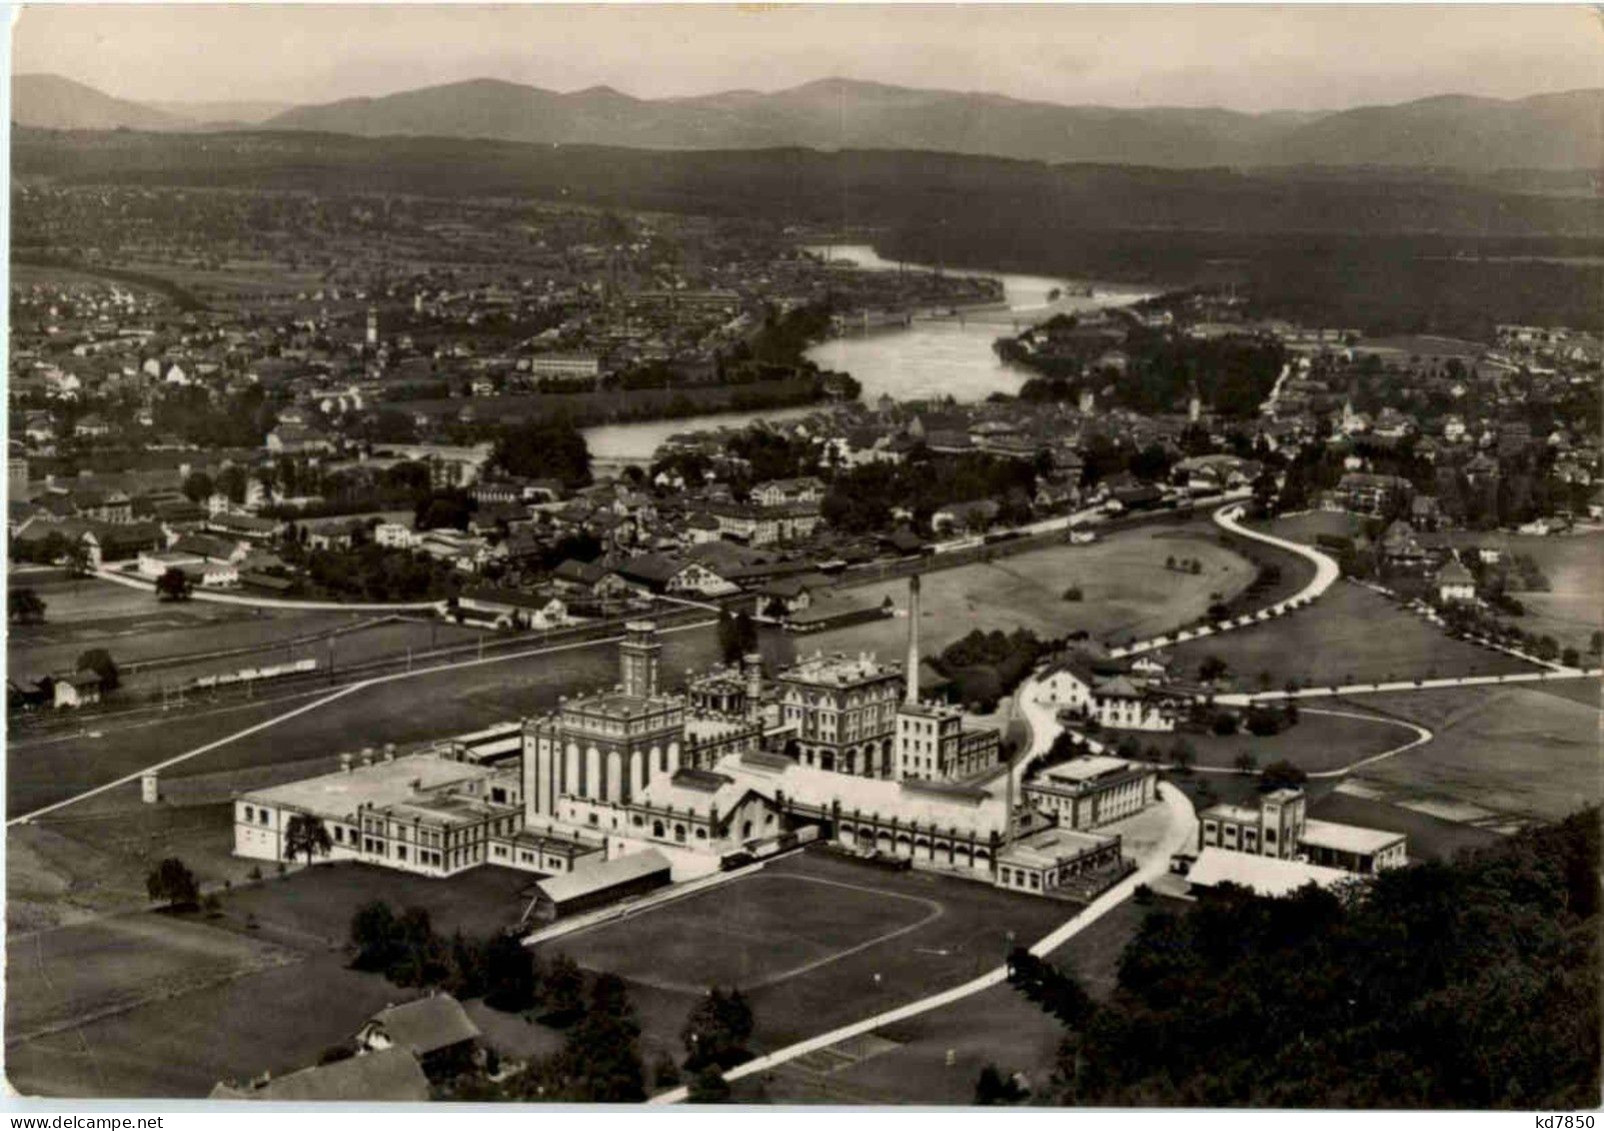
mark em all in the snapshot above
pixel 1471 984
pixel 847 188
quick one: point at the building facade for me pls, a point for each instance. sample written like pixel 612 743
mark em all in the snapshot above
pixel 1085 793
pixel 844 712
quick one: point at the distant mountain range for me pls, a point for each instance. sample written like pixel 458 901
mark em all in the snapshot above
pixel 1551 131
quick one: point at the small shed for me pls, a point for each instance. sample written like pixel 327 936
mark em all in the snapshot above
pixel 598 885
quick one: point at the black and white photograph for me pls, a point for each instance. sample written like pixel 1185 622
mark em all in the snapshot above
pixel 804 556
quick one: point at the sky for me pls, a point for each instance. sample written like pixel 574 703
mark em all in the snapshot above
pixel 1245 57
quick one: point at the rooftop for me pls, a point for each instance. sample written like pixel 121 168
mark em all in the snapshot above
pixel 380 785
pixel 1047 847
pixel 603 875
pixel 1087 768
pixel 1348 838
pixel 389 1075
pixel 428 1024
pixel 839 670
pixel 1264 875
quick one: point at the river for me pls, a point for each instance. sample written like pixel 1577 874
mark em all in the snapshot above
pixel 942 357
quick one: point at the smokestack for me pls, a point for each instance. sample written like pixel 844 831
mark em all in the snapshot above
pixel 752 662
pixel 913 639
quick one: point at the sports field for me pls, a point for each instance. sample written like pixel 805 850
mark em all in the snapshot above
pixel 853 962
pixel 1126 592
pixel 749 932
pixel 1350 635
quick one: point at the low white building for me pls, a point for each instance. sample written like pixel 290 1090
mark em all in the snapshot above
pixel 395 535
pixel 420 813
pixel 1263 875
pixel 1087 792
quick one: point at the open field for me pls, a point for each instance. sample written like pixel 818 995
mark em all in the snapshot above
pixel 998 1026
pixel 1430 838
pixel 747 932
pixel 84 598
pixel 1307 527
pixel 275 1020
pixel 1319 742
pixel 1350 635
pixel 1506 752
pixel 92 969
pixel 403 711
pixel 970 936
pixel 318 902
pixel 1127 591
pixel 94 860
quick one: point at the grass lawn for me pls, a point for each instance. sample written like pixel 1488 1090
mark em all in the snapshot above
pixel 1430 838
pixel 997 1026
pixel 748 933
pixel 317 903
pixel 92 860
pixel 87 598
pixel 1499 752
pixel 403 711
pixel 1319 742
pixel 971 936
pixel 276 1020
pixel 88 969
pixel 1350 635
pixel 1306 528
pixel 1127 592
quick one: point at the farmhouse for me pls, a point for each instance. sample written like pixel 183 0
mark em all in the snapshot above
pixel 435 1029
pixel 1088 688
pixel 390 1076
pixel 1455 583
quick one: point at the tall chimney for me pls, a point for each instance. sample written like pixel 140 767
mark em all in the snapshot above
pixel 913 639
pixel 752 663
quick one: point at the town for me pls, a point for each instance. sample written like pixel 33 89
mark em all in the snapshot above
pixel 528 646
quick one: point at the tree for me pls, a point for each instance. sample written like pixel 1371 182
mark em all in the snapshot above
pixel 1571 658
pixel 544 449
pixel 737 635
pixel 99 661
pixel 717 1030
pixel 24 606
pixel 374 935
pixel 1281 774
pixel 511 978
pixel 198 486
pixel 173 884
pixel 306 836
pixel 1246 763
pixel 173 585
pixel 708 1086
pixel 1212 668
pixel 75 560
pixel 564 991
pixel 995 1089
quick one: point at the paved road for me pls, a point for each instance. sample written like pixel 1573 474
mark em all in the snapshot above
pixel 1180 832
pixel 1242 699
pixel 1326 573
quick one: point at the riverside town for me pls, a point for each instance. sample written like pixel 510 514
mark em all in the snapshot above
pixel 867 581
